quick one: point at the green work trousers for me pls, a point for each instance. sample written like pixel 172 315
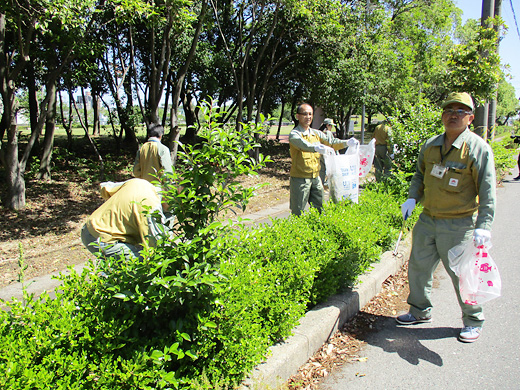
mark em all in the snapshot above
pixel 303 191
pixel 382 162
pixel 114 250
pixel 431 240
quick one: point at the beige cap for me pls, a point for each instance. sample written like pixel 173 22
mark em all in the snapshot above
pixel 459 97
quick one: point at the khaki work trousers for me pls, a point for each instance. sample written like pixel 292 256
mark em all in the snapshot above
pixel 431 240
pixel 303 191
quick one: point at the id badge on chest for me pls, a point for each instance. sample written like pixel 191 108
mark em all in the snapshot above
pixel 438 171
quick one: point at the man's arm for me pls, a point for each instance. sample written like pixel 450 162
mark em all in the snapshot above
pixel 416 189
pixel 296 140
pixel 335 143
pixel 486 188
pixel 165 158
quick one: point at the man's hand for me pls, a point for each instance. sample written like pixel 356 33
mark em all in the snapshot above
pixel 482 237
pixel 352 142
pixel 407 208
pixel 323 149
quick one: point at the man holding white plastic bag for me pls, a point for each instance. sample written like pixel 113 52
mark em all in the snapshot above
pixel 455 182
pixel 306 145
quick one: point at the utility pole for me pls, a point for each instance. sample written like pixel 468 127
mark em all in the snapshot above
pixel 485 114
pixel 492 114
pixel 482 110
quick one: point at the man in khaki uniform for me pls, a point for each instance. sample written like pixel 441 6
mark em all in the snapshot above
pixel 121 226
pixel 455 182
pixel 306 145
pixel 382 159
pixel 153 158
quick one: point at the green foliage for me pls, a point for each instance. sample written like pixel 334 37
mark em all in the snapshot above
pixel 206 175
pixel 194 313
pixel 411 128
pixel 505 153
pixel 474 66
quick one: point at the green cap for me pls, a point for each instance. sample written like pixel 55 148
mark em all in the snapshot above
pixel 459 97
pixel 329 121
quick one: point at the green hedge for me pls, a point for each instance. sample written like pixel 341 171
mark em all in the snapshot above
pixel 165 323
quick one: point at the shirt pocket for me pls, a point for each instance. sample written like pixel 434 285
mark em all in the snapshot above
pixel 453 180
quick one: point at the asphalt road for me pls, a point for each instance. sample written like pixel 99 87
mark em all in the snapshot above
pixel 429 355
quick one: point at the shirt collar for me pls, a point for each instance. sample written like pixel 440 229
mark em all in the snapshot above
pixel 459 141
pixel 301 130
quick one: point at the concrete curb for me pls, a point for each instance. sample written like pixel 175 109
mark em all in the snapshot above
pixel 320 323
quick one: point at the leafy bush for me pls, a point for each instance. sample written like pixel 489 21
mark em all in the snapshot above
pixel 505 153
pixel 410 130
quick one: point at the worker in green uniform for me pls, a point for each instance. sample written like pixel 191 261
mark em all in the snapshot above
pixel 455 182
pixel 121 225
pixel 153 158
pixel 382 161
pixel 306 145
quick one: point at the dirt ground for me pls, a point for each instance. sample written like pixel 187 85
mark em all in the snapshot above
pixel 46 234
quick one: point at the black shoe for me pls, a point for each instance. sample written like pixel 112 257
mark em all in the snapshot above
pixel 409 319
pixel 517 178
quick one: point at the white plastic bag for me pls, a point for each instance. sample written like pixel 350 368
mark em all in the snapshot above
pixel 366 157
pixel 342 172
pixel 479 279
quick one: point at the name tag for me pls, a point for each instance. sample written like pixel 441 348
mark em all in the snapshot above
pixel 438 171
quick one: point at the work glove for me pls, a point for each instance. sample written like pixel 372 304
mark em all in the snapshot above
pixel 323 149
pixel 482 237
pixel 407 208
pixel 392 156
pixel 352 142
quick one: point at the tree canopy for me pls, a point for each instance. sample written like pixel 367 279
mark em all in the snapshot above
pixel 146 60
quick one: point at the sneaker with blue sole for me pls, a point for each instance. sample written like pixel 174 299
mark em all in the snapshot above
pixel 410 319
pixel 470 334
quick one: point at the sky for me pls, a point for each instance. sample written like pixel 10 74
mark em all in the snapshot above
pixel 509 49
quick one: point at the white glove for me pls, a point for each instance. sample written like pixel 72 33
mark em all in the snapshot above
pixel 352 142
pixel 407 208
pixel 392 156
pixel 323 149
pixel 482 237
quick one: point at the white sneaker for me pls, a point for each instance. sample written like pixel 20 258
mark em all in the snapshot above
pixel 470 334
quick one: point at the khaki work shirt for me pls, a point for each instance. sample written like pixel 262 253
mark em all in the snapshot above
pixel 381 134
pixel 468 184
pixel 152 160
pixel 305 161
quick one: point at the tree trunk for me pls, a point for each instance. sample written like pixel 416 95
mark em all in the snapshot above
pixel 189 114
pixel 15 198
pixel 280 120
pixel 173 137
pixel 85 108
pixel 33 101
pixel 95 110
pixel 67 122
pixel 15 179
pixel 48 141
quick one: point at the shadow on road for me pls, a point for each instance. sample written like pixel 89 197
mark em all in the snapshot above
pixel 407 341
